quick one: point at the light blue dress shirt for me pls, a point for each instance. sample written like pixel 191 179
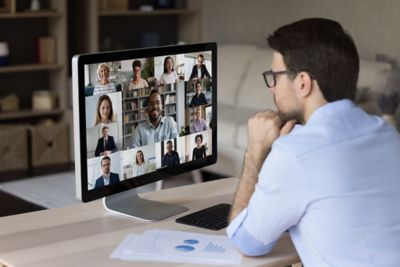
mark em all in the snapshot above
pixel 334 183
pixel 145 133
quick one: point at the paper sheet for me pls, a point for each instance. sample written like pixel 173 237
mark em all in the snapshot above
pixel 176 246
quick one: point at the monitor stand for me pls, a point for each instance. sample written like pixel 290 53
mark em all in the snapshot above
pixel 129 203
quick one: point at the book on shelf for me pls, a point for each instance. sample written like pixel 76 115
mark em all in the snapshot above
pixel 131 117
pixel 131 105
pixel 169 99
pixel 143 115
pixel 166 102
pixel 46 50
pixel 170 109
pixel 143 103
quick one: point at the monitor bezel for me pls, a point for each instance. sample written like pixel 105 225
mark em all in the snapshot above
pixel 78 63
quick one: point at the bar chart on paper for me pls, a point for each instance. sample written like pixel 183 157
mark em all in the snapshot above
pixel 213 248
pixel 176 246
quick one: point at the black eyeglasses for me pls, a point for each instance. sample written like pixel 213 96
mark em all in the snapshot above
pixel 270 76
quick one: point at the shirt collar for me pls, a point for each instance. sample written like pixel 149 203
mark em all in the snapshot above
pixel 330 108
pixel 161 122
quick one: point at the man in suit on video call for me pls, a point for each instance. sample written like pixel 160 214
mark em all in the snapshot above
pixel 199 70
pixel 171 158
pixel 108 177
pixel 106 144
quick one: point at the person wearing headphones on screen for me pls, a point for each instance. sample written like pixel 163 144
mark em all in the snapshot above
pixel 333 180
pixel 156 128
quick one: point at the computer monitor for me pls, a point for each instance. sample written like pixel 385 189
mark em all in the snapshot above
pixel 140 116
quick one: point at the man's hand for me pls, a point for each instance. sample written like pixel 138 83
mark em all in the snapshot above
pixel 263 129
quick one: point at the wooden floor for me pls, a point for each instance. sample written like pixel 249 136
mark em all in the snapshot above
pixel 11 205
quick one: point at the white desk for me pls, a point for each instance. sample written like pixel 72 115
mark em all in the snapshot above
pixel 86 234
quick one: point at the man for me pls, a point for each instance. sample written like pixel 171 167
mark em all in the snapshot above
pixel 171 158
pixel 199 98
pixel 105 145
pixel 198 124
pixel 332 181
pixel 199 70
pixel 108 177
pixel 157 128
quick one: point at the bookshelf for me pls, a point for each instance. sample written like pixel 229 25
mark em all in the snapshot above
pixel 25 74
pixel 163 26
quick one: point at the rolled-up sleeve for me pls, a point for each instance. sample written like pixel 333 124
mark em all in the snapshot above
pixel 277 204
pixel 244 241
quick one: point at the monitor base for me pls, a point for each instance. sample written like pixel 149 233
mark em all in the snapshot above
pixel 129 203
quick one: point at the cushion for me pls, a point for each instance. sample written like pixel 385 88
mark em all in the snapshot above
pixel 373 75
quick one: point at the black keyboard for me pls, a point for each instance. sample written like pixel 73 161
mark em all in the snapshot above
pixel 213 218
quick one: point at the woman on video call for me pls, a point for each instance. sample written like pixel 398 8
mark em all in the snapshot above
pixel 104 86
pixel 169 75
pixel 199 152
pixel 140 166
pixel 104 111
pixel 137 81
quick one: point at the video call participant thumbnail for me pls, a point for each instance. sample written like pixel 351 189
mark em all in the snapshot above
pixel 157 128
pixel 106 144
pixel 140 166
pixel 199 71
pixel 199 152
pixel 171 158
pixel 108 177
pixel 169 74
pixel 137 80
pixel 198 124
pixel 104 111
pixel 104 86
pixel 199 98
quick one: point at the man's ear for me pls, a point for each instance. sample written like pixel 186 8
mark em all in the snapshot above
pixel 303 84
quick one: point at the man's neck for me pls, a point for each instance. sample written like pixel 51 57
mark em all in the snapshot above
pixel 156 122
pixel 311 107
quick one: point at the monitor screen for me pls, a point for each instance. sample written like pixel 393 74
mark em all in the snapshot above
pixel 143 115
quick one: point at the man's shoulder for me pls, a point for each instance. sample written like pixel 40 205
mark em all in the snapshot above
pixel 168 120
pixel 331 131
pixel 143 124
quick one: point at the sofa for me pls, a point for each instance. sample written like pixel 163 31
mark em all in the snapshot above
pixel 242 92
